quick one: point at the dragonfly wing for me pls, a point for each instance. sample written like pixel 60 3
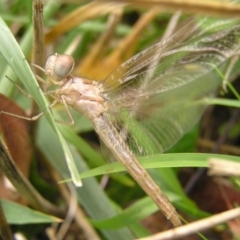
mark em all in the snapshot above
pixel 160 92
pixel 197 35
pixel 157 121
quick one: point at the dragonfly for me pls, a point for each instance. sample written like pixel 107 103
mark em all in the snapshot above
pixel 150 101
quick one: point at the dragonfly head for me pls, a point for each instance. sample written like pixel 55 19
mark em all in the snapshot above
pixel 58 67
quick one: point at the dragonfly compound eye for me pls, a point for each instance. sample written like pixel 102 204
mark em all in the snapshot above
pixel 64 65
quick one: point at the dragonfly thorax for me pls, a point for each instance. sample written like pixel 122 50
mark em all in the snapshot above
pixel 83 95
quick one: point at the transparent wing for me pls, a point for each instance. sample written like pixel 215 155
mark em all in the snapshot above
pixel 157 95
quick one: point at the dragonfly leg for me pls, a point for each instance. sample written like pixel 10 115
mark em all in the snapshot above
pixel 22 117
pixel 46 82
pixel 40 79
pixel 34 118
pixel 50 93
pixel 19 88
pixel 27 94
pixel 38 67
pixel 71 122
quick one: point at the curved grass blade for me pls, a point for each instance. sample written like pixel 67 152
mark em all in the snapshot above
pixel 14 210
pixel 161 161
pixel 11 51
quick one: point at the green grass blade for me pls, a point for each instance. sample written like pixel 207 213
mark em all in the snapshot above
pixel 11 51
pixel 12 211
pixel 161 161
pixel 224 102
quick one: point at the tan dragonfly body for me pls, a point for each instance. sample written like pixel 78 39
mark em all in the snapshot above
pixel 147 103
pixel 86 97
pixel 157 95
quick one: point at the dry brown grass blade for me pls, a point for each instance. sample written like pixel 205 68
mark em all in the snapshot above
pixel 16 134
pixel 221 167
pixel 194 227
pixel 38 36
pixel 123 51
pixel 81 14
pixel 97 51
pixel 224 148
pixel 38 53
pixel 210 7
pixel 127 47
